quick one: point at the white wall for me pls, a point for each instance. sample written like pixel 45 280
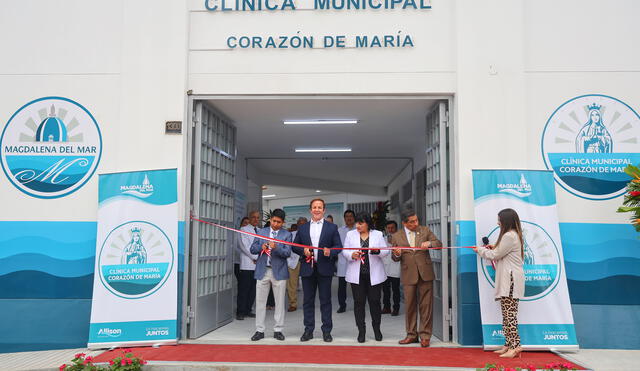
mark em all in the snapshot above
pixel 344 198
pixel 123 60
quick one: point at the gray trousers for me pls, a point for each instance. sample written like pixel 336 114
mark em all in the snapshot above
pixel 262 292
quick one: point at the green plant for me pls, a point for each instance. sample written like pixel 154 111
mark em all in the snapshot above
pixel 548 367
pixel 80 362
pixel 379 216
pixel 631 203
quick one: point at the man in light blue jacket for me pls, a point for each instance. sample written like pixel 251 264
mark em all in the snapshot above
pixel 271 272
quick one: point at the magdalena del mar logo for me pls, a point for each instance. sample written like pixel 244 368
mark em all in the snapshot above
pixel 50 147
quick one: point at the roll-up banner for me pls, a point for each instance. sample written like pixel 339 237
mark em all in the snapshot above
pixel 545 320
pixel 135 281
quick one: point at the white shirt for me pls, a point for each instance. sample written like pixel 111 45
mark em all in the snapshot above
pixel 244 245
pixel 293 259
pixel 314 232
pixel 342 261
pixel 390 267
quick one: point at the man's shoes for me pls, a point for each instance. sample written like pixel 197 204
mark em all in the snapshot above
pixel 377 333
pixel 251 315
pixel 292 309
pixel 239 317
pixel 257 336
pixel 408 340
pixel 342 310
pixel 386 310
pixel 395 312
pixel 278 335
pixel 308 335
pixel 425 343
pixel 327 337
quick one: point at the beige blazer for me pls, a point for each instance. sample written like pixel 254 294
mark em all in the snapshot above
pixel 508 260
pixel 415 263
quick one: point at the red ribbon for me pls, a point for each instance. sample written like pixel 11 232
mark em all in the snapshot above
pixel 330 248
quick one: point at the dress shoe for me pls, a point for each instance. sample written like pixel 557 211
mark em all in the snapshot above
pixel 292 309
pixel 278 335
pixel 512 353
pixel 408 340
pixel 385 310
pixel 342 310
pixel 377 333
pixel 251 315
pixel 502 350
pixel 257 336
pixel 395 312
pixel 361 336
pixel 327 337
pixel 308 335
pixel 425 343
pixel 240 317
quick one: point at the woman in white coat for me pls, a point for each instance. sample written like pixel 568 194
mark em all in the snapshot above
pixel 365 272
pixel 508 256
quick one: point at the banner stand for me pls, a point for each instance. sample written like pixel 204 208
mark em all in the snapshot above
pixel 135 290
pixel 545 320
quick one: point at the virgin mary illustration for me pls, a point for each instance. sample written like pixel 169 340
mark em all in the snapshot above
pixel 134 251
pixel 594 136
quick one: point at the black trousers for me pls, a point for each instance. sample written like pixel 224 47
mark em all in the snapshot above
pixel 362 293
pixel 392 283
pixel 309 286
pixel 342 292
pixel 246 292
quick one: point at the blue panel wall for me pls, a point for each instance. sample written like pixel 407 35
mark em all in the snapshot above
pixel 603 276
pixel 46 283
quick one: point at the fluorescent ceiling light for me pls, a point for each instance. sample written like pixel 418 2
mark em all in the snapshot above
pixel 318 191
pixel 323 149
pixel 268 196
pixel 322 122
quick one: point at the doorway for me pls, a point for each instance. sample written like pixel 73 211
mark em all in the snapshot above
pixel 398 150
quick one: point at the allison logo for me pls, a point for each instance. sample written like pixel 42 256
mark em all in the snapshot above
pixel 521 189
pixel 50 147
pixel 109 332
pixel 143 190
pixel 588 141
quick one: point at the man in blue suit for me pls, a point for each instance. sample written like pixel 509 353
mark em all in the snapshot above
pixel 271 272
pixel 316 267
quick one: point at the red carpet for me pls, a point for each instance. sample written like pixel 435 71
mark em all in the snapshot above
pixel 351 355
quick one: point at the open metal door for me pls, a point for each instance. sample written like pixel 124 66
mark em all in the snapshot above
pixel 212 200
pixel 436 198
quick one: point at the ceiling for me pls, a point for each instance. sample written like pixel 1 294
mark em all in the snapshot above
pixel 390 131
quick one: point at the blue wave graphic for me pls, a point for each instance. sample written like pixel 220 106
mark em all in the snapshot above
pixel 603 269
pixel 48 247
pixel 616 290
pixel 57 232
pixel 46 264
pixel 595 233
pixel 592 253
pixel 40 285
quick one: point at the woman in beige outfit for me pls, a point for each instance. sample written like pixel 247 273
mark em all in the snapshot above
pixel 508 256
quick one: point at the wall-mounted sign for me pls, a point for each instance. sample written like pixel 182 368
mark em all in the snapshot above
pixel 290 5
pixel 50 147
pixel 588 141
pixel 173 127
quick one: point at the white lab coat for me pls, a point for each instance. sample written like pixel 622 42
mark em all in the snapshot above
pixel 342 261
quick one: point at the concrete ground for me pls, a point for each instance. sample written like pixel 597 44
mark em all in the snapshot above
pixel 344 333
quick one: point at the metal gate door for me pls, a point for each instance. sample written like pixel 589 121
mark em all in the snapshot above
pixel 211 262
pixel 436 188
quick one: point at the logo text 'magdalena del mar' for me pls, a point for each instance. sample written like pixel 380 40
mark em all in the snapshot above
pixel 50 147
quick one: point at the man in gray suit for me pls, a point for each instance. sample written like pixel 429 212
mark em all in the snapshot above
pixel 271 272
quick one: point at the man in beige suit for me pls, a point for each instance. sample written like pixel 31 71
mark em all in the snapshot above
pixel 416 276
